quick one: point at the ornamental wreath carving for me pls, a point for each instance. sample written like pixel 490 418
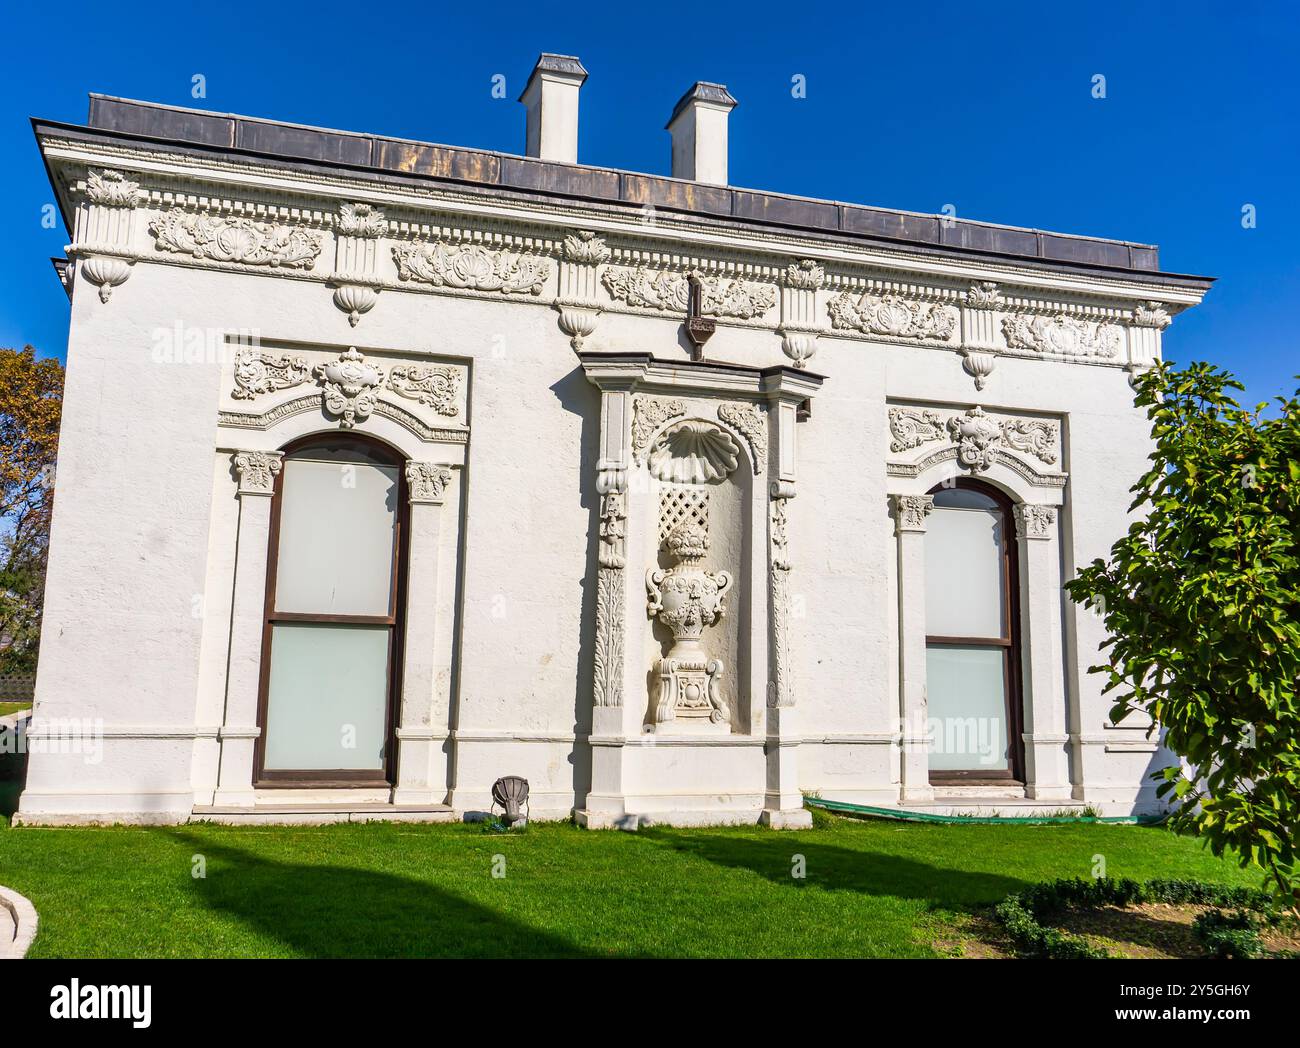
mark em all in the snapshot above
pixel 892 316
pixel 666 291
pixel 435 387
pixel 236 240
pixel 266 372
pixel 1062 334
pixel 471 267
pixel 350 385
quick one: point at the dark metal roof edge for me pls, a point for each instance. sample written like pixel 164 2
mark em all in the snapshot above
pixel 846 236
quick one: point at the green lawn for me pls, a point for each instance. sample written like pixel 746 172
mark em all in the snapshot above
pixel 7 708
pixel 872 888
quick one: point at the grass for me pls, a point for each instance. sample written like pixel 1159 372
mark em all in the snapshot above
pixel 873 889
pixel 7 708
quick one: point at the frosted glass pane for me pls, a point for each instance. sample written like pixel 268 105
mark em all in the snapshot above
pixel 327 704
pixel 966 691
pixel 963 572
pixel 337 522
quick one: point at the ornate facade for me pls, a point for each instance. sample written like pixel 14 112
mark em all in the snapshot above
pixel 420 472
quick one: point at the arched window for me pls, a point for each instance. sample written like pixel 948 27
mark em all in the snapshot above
pixel 972 636
pixel 331 647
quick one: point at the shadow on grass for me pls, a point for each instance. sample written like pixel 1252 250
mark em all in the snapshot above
pixel 834 868
pixel 330 911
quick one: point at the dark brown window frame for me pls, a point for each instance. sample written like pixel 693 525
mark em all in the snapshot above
pixel 1009 642
pixel 264 778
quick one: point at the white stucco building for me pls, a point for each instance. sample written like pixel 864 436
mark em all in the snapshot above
pixel 390 468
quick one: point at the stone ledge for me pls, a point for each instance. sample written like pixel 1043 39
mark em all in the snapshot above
pixel 18 924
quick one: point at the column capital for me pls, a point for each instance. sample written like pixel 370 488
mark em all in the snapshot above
pixel 257 471
pixel 910 511
pixel 426 482
pixel 1034 522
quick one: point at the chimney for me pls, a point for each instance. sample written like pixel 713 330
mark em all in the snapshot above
pixel 551 96
pixel 699 130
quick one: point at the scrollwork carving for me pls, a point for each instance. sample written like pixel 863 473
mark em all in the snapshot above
pixel 471 267
pixel 1062 334
pixel 350 386
pixel 257 373
pixel 749 422
pixel 892 316
pixel 240 240
pixel 667 291
pixel 433 386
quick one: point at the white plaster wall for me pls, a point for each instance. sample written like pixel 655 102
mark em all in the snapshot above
pixel 146 517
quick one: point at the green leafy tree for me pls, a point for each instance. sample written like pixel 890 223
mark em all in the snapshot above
pixel 1201 601
pixel 31 399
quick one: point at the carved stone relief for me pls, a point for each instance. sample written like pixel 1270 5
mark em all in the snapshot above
pixel 1063 334
pixel 257 372
pixel 427 481
pixel 648 414
pixel 239 240
pixel 693 452
pixel 431 385
pixel 979 438
pixel 686 598
pixel 747 420
pixel 471 267
pixel 892 316
pixel 663 290
pixel 350 385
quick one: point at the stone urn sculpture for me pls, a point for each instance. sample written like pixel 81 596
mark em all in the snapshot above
pixel 686 599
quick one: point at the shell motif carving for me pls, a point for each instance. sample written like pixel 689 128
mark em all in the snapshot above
pixel 693 452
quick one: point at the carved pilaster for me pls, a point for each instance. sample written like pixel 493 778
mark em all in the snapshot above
pixel 780 692
pixel 607 686
pixel 357 230
pixel 582 255
pixel 799 324
pixel 104 229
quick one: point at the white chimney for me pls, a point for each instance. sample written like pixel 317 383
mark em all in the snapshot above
pixel 551 96
pixel 699 130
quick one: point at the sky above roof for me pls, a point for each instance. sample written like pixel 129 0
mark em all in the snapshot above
pixel 989 113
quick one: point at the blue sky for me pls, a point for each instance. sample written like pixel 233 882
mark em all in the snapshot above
pixel 986 107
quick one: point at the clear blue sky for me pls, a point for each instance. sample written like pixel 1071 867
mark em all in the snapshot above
pixel 986 107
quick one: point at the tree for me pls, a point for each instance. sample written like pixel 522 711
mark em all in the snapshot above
pixel 1201 601
pixel 31 398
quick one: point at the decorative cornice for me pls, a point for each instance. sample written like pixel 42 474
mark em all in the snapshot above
pixel 257 471
pixel 892 316
pixel 111 188
pixel 471 267
pixel 668 291
pixel 265 420
pixel 239 240
pixel 426 482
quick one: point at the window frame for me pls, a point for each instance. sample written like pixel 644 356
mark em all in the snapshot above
pixel 277 778
pixel 1009 642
